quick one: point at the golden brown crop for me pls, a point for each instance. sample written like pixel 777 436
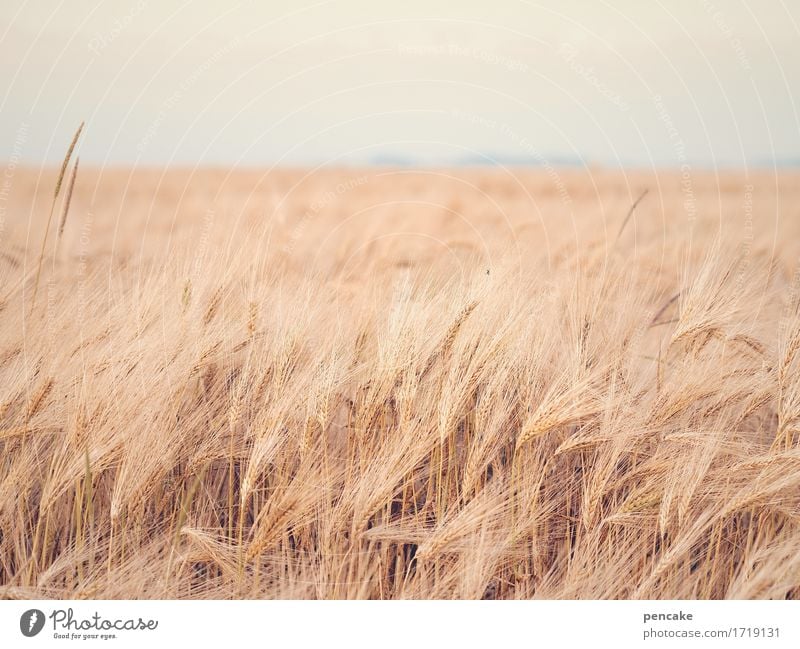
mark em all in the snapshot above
pixel 241 387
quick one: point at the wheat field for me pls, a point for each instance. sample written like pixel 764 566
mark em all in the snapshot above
pixel 391 383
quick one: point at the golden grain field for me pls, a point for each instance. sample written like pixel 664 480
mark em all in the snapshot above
pixel 383 383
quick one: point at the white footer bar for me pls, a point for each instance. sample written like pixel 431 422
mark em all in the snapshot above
pixel 406 624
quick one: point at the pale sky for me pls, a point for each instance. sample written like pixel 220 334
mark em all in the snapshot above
pixel 700 82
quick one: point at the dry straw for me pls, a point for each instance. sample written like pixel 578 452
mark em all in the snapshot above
pixel 269 435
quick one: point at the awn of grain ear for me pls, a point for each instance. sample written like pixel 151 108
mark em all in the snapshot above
pixel 67 200
pixel 39 397
pixel 213 305
pixel 52 209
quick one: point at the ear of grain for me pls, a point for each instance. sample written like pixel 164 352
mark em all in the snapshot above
pixel 56 191
pixel 353 428
pixel 38 398
pixel 67 200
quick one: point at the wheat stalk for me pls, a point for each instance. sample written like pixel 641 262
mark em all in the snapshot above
pixel 67 200
pixel 59 180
